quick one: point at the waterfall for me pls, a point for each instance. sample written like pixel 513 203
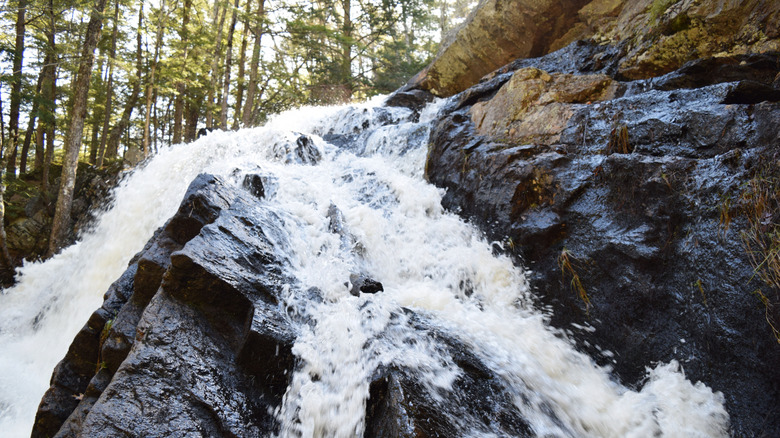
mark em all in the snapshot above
pixel 393 230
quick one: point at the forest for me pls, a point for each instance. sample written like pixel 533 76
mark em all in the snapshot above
pixel 101 82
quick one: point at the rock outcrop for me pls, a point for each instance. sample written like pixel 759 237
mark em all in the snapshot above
pixel 178 344
pixel 654 37
pixel 633 204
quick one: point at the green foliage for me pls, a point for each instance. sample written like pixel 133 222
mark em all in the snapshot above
pixel 329 51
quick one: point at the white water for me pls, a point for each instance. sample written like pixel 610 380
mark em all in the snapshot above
pixel 400 236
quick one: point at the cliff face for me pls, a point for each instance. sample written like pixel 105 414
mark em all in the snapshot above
pixel 645 209
pixel 634 170
pixel 654 36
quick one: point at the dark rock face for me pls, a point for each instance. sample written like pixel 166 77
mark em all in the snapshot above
pixel 189 341
pixel 641 240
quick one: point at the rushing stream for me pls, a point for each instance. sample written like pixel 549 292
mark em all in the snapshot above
pixel 395 231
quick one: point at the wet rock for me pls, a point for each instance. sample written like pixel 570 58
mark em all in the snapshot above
pixel 399 406
pixel 364 284
pixel 254 183
pixel 72 375
pixel 641 224
pixel 301 150
pixel 412 99
pixel 190 339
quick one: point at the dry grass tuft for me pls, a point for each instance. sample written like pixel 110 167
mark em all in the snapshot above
pixel 760 202
pixel 567 261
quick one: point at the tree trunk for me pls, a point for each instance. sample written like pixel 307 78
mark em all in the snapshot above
pixel 31 125
pixel 247 117
pixel 178 105
pixel 132 100
pixel 97 116
pixel 49 90
pixel 346 50
pixel 2 125
pixel 241 67
pixel 192 116
pixel 228 65
pixel 214 81
pixel 16 91
pixel 61 221
pixel 150 85
pixel 5 258
pixel 101 153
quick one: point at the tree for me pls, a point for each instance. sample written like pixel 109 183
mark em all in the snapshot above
pixel 150 83
pixel 178 106
pixel 101 151
pixel 223 116
pixel 247 115
pixel 16 91
pixel 112 146
pixel 73 137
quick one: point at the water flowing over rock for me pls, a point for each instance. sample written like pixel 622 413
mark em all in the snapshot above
pixel 628 201
pixel 238 319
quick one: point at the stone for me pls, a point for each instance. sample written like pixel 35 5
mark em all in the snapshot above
pixel 398 405
pixel 254 183
pixel 534 106
pixel 176 308
pixel 364 284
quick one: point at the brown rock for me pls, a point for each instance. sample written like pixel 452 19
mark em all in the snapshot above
pixel 659 35
pixel 534 106
pixel 496 33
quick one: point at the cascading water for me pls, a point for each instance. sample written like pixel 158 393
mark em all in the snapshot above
pixel 391 228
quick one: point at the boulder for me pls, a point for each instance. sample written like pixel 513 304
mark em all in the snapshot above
pixel 399 405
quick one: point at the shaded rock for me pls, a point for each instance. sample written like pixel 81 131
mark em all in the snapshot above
pixel 749 92
pixel 254 183
pixel 301 150
pixel 642 226
pixel 754 67
pixel 412 99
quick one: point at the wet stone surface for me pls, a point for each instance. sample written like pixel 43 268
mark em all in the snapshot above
pixel 650 226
